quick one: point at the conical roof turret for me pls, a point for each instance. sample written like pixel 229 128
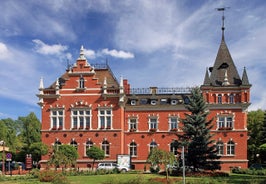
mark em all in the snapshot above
pixel 224 62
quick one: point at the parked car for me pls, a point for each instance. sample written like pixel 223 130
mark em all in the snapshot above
pixel 112 166
pixel 123 169
pixel 106 166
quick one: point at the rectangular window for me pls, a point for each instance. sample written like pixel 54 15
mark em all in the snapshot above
pixel 225 122
pixel 173 123
pixel 153 123
pixel 105 119
pixel 81 118
pixel 132 124
pixel 57 119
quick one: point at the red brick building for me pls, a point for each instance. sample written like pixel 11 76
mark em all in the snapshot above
pixel 88 106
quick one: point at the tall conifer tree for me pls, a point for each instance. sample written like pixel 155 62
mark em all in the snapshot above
pixel 201 152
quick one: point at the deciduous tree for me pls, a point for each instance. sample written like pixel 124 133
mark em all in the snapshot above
pixel 95 153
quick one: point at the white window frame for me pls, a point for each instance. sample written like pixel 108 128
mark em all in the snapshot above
pixel 152 145
pixel 173 124
pixel 231 98
pixel 230 148
pixel 81 82
pixel 81 115
pixel 105 118
pixel 57 118
pixel 153 125
pixel 219 99
pixel 220 148
pixel 86 145
pixel 106 148
pixel 132 126
pixel 225 122
pixel 134 148
pixel 74 144
pixel 174 149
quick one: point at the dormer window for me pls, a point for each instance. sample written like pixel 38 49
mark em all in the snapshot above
pixel 81 82
pixel 133 102
pixel 153 102
pixel 173 102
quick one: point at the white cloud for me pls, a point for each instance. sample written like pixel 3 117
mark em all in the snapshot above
pixel 42 48
pixel 4 52
pixel 90 53
pixel 118 54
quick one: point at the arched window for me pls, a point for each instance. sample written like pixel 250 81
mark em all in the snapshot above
pixel 230 148
pixel 219 98
pixel 153 144
pixel 89 144
pixel 74 143
pixel 231 98
pixel 174 147
pixel 57 143
pixel 220 148
pixel 133 149
pixel 81 82
pixel 106 147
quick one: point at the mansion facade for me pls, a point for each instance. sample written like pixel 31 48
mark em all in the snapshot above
pixel 87 106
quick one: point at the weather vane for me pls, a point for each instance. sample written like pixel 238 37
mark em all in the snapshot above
pixel 223 17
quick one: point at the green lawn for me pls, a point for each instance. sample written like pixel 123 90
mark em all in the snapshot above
pixel 144 179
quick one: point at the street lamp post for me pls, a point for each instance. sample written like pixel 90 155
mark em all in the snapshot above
pixel 2 143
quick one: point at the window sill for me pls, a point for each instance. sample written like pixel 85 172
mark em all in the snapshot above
pixel 225 128
pixel 174 130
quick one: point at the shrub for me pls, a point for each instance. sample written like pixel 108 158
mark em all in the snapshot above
pixel 60 179
pixel 249 171
pixel 47 176
pixel 35 173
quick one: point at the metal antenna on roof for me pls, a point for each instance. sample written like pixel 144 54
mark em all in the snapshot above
pixel 223 17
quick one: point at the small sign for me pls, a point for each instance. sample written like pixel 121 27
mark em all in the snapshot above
pixel 8 157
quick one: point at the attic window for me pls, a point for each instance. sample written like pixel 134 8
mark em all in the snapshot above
pixel 173 102
pixel 143 101
pixel 153 102
pixel 163 101
pixel 223 66
pixel 133 102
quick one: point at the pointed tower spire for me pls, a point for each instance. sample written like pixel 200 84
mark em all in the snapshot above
pixel 81 54
pixel 224 62
pixel 207 80
pixel 245 80
pixel 121 85
pixel 41 84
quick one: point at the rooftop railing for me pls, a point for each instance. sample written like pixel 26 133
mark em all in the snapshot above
pixel 159 90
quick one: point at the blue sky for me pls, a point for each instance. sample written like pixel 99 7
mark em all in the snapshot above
pixel 161 43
